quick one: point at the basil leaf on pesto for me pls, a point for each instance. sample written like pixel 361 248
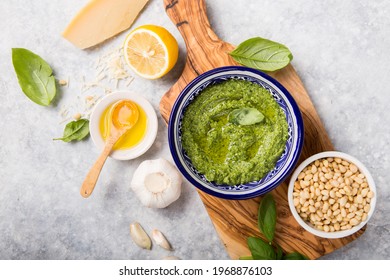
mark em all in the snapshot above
pixel 35 76
pixel 245 116
pixel 75 130
pixel 267 216
pixel 260 249
pixel 262 54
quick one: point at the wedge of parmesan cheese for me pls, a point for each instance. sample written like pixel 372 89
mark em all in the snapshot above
pixel 100 20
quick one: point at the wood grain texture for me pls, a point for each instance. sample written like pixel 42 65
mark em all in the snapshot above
pixel 235 220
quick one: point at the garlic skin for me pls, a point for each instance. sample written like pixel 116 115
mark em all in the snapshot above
pixel 160 240
pixel 139 236
pixel 156 183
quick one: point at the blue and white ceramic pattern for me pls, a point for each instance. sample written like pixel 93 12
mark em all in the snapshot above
pixel 283 166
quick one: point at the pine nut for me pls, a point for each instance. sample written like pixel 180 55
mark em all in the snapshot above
pixel 358 180
pixel 343 213
pixel 328 176
pixel 353 168
pixel 308 177
pixel 335 183
pixel 364 192
pixel 348 174
pixel 351 215
pixel 353 222
pixel 359 213
pixel 325 207
pixel 343 201
pixel 326 228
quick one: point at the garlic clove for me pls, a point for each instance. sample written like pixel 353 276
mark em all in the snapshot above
pixel 171 258
pixel 139 236
pixel 160 240
pixel 156 183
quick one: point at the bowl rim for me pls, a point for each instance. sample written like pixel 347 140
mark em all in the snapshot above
pixel 289 98
pixel 151 129
pixel 363 169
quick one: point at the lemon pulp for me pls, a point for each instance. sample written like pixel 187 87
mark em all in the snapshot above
pixel 133 137
pixel 151 51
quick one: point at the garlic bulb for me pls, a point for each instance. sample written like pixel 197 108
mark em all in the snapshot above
pixel 156 183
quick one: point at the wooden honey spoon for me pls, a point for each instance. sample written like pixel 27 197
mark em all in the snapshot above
pixel 124 115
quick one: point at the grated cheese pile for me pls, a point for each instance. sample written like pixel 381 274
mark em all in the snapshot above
pixel 110 72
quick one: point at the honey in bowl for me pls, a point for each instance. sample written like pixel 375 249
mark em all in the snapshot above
pixel 125 114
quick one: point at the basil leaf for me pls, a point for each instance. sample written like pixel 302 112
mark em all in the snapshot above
pixel 75 130
pixel 267 216
pixel 295 256
pixel 35 76
pixel 260 249
pixel 246 258
pixel 262 54
pixel 279 252
pixel 245 116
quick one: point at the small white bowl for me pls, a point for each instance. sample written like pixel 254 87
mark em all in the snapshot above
pixel 151 129
pixel 308 227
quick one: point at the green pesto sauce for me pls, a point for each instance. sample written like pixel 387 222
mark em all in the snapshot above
pixel 227 153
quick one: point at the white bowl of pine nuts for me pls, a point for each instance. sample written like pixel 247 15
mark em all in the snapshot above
pixel 332 194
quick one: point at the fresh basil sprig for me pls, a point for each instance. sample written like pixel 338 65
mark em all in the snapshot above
pixel 245 116
pixel 260 249
pixel 279 252
pixel 246 258
pixel 262 54
pixel 267 217
pixel 75 130
pixel 35 76
pixel 294 256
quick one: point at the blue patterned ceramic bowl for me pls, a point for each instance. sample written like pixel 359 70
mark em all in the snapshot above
pixel 283 166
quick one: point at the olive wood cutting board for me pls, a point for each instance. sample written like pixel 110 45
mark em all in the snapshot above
pixel 235 220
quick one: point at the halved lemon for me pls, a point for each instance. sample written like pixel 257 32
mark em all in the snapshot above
pixel 151 51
